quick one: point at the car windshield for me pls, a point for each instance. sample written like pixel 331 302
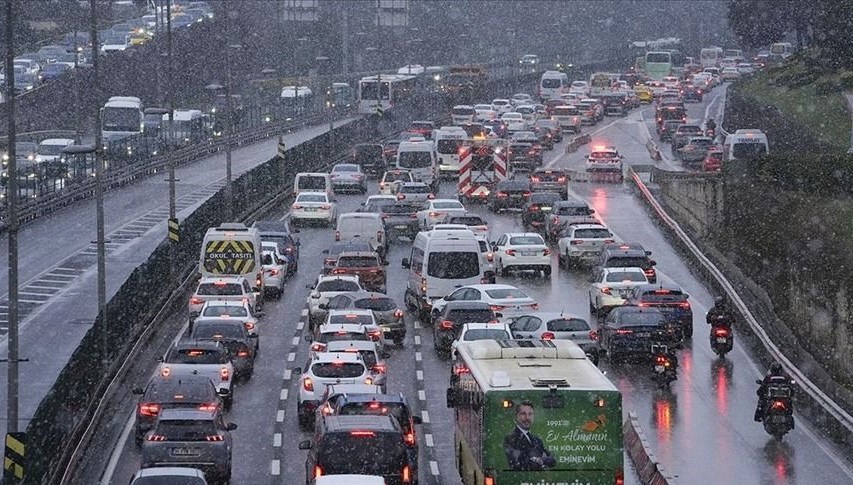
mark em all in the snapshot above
pixel 506 294
pixel 223 310
pixel 194 356
pixel 486 334
pixel 467 220
pixel 219 289
pixel 526 241
pixel 340 370
pixel 218 331
pixel 450 204
pixel 357 318
pixel 186 429
pixel 356 452
pixel 414 189
pixel 409 159
pixel 628 262
pixel 748 151
pixel 395 176
pixel 620 276
pixel 337 285
pixel 664 296
pixel 374 408
pixel 400 209
pixel 302 198
pixel 453 265
pixel 568 325
pixel 345 168
pixel 592 233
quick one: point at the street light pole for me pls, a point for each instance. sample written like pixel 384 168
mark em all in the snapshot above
pixel 99 187
pixel 12 205
pixel 229 123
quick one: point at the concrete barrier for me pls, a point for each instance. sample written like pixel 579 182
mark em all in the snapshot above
pixel 654 151
pixel 595 177
pixel 640 452
pixel 577 142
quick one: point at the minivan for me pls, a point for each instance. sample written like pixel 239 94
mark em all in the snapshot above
pixel 418 157
pixel 363 226
pixel 553 84
pixel 365 445
pixel 313 182
pixel 448 141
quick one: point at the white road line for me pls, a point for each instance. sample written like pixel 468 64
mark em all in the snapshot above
pixel 433 467
pixel 599 130
pixel 418 356
pixel 116 454
pixel 276 440
pixel 287 374
pixel 425 416
pixel 279 416
pixel 417 339
pixel 275 468
pixel 291 356
pixel 420 375
pixel 295 341
pixel 283 395
pixel 304 312
pixel 300 325
pixel 428 440
pixel 422 395
pixel 417 324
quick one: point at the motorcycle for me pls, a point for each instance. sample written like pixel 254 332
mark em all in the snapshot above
pixel 664 365
pixel 722 336
pixel 778 413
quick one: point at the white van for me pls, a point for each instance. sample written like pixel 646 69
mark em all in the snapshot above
pixel 232 249
pixel 365 227
pixel 418 156
pixel 745 145
pixel 313 182
pixel 448 140
pixel 782 50
pixel 553 84
pixel 462 113
pixel 440 262
pixel 50 150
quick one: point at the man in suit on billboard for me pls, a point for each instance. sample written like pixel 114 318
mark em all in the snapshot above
pixel 524 450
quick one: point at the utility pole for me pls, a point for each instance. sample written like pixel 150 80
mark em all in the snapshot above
pixel 99 187
pixel 77 135
pixel 12 204
pixel 229 194
pixel 345 30
pixel 173 211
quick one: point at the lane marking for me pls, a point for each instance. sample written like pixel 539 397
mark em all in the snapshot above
pixel 116 454
pixel 287 374
pixel 428 440
pixel 417 324
pixel 304 312
pixel 300 325
pixel 295 341
pixel 275 467
pixel 433 467
pixel 417 339
pixel 425 416
pixel 276 440
pixel 418 356
pixel 422 395
pixel 291 356
pixel 279 416
pixel 420 375
pixel 283 395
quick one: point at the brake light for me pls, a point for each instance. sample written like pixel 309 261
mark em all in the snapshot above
pixel 502 194
pixel 609 241
pixel 401 196
pixel 490 257
pixel 224 374
pixel 375 335
pixel 497 308
pixel 459 369
pixel 379 368
pixel 778 405
pixel 527 194
pixel 407 474
pixel 368 381
pixel 362 433
pixel 436 214
pixel 410 438
pixel 548 336
pixel 156 437
pixel 606 291
pixel 325 207
pixel 319 347
pixel 619 479
pixel 430 196
pixel 534 306
pixel 684 304
pixel 215 437
pixel 555 220
pixel 149 409
pixel 243 352
pixel 561 179
pixel 489 480
pixel 446 324
pixel 510 252
pixel 165 371
pixel 196 301
pixel 593 335
pixel 249 325
pixel 308 384
pixel 546 252
pixel 208 407
pixel 381 185
pixel 721 332
pixel 534 179
pixel 624 331
pixel 318 471
pixel 296 206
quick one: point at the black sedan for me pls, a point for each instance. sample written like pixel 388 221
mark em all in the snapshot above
pixel 401 219
pixel 537 209
pixel 631 331
pixel 510 194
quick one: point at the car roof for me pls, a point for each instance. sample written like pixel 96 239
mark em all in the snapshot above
pixel 660 286
pixel 343 345
pixel 237 303
pixel 188 344
pixel 367 422
pixel 223 278
pixel 341 327
pixel 351 311
pixel 324 357
pixel 468 305
pixel 384 397
pixel 362 254
pixel 347 277
pixel 588 226
pixel 169 471
pixel 195 414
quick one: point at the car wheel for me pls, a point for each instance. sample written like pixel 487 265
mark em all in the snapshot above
pixel 546 271
pixel 592 309
pixel 687 330
pixel 501 269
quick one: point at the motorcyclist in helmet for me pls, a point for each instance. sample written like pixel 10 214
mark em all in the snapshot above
pixel 720 313
pixel 776 370
pixel 711 124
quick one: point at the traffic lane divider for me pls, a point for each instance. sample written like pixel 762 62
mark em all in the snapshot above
pixel 577 142
pixel 640 453
pixel 654 151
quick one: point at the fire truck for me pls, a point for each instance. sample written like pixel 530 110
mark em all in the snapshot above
pixel 483 163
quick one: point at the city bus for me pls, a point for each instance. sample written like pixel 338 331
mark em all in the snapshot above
pixel 381 92
pixel 534 411
pixel 711 56
pixel 658 64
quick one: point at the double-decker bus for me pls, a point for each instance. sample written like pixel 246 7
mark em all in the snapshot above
pixel 534 411
pixel 382 92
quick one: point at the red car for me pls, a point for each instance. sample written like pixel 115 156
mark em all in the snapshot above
pixel 713 161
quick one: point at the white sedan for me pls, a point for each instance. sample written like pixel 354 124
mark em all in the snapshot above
pixel 506 300
pixel 522 250
pixel 436 210
pixel 480 331
pixel 501 105
pixel 484 112
pixel 348 176
pixel 313 207
pixel 610 286
pixel 274 266
pixel 730 74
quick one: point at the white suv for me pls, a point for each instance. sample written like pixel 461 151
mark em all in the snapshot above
pixel 326 288
pixel 582 242
pixel 229 288
pixel 321 370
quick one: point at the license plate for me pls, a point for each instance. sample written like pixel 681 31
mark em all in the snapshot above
pixel 722 340
pixel 545 209
pixel 401 226
pixel 528 253
pixel 310 209
pixel 659 368
pixel 185 452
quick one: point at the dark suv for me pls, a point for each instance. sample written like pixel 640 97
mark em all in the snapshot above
pixel 359 445
pixel 550 180
pixel 627 255
pixel 401 219
pixel 366 265
pixel 669 299
pixel 371 158
pixel 509 194
pixel 448 322
pixel 537 209
pixel 168 392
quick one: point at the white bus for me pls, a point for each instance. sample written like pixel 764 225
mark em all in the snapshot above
pixel 381 92
pixel 711 56
pixel 121 117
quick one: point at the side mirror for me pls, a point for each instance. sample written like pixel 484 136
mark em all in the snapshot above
pixel 586 156
pixel 193 315
pixel 499 315
pixel 315 295
pixel 138 391
pixel 231 426
pixel 648 253
pixel 384 263
pixel 310 287
pixel 406 263
pixel 260 313
pixel 325 251
pixel 759 382
pixel 323 306
pixel 385 354
pixel 308 338
pixel 653 262
pixel 417 420
pixel 296 370
pixel 305 445
pixel 450 396
pixel 222 391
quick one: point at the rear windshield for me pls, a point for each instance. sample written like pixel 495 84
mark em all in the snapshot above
pixel 592 233
pixel 376 408
pixel 414 159
pixel 628 262
pixel 618 276
pixel 463 111
pixel 486 334
pixel 415 189
pixel 311 198
pixel 467 220
pixel 337 285
pixel 342 336
pixel 573 211
pixel 603 155
pixel 551 83
pixel 342 370
pixel 472 316
pixel 378 304
pixel 356 452
pixel 502 293
pixel 454 265
pixel 195 356
pixel 395 176
pixel 448 147
pixel 568 325
pixel 548 176
pixel 544 198
pixel 357 262
pixel 358 318
pixel 217 330
pixel 223 310
pixel 564 111
pixel 641 319
pixel 214 289
pixel 664 296
pixel 186 430
pixel 400 209
pixel 526 241
pixel 312 183
pixel 181 390
pixel 451 204
pixel 345 168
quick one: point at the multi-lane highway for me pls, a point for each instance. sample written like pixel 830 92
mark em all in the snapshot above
pixel 701 429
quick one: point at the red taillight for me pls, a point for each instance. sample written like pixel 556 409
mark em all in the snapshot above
pixel 208 407
pixel 459 369
pixel 619 479
pixel 401 196
pixel 308 384
pixel 721 332
pixel 375 335
pixel 502 194
pixel 446 324
pixel 510 252
pixel 534 306
pixel 546 252
pixel 413 216
pixel 381 185
pixel 684 304
pixel 489 480
pixel 273 272
pixel 325 207
pixel 149 409
pixel 244 352
pixel 296 206
pixel 608 241
pixel 490 257
pixel 527 194
pixel 778 405
pixel 156 437
pixel 224 374
pixel 624 331
pixel 430 196
pixel 368 381
pixel 318 471
pixel 215 437
pixel 196 301
pixel 398 313
pixel 497 308
pixel 534 179
pixel 318 347
pixel 406 474
pixel 555 220
pixel 561 179
pixel 410 437
pixel 593 335
pixel 533 208
pixel 328 261
pixel 379 368
pixel 165 371
pixel 337 235
pixel 548 336
pixel 606 291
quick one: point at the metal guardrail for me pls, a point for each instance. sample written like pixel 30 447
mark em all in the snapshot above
pixel 838 413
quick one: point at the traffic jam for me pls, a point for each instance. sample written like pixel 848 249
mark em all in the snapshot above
pixel 446 235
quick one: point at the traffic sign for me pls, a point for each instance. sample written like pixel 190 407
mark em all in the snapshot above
pixel 282 147
pixel 174 230
pixel 14 457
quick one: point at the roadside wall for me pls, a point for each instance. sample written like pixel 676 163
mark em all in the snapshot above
pixel 695 199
